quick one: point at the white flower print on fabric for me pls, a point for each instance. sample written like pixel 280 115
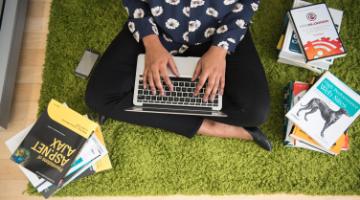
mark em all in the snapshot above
pixel 229 2
pixel 183 48
pixel 155 30
pixel 157 11
pixel 194 25
pixel 238 8
pixel 254 6
pixel 131 26
pixel 209 32
pixel 151 20
pixel 232 40
pixel 186 36
pixel 166 38
pixel 196 44
pixel 196 3
pixel 172 23
pixel 212 12
pixel 223 44
pixel 126 9
pixel 139 13
pixel 222 29
pixel 186 11
pixel 242 37
pixel 136 36
pixel 173 2
pixel 240 23
pixel 173 52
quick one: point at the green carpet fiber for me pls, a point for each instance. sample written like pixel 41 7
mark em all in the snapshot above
pixel 150 161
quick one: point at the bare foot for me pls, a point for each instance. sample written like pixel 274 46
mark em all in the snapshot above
pixel 218 129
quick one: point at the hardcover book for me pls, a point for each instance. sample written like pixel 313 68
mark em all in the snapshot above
pixel 316 32
pixel 326 110
pixel 52 144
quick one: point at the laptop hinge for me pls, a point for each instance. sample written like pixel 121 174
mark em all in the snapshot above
pixel 174 107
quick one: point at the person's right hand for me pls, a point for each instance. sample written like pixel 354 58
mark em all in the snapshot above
pixel 157 60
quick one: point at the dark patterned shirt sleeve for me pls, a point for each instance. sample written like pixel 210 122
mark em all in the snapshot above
pixel 140 22
pixel 234 25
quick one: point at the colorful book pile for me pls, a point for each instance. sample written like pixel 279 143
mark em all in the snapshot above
pixel 318 115
pixel 60 147
pixel 310 38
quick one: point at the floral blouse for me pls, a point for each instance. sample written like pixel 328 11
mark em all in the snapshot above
pixel 182 23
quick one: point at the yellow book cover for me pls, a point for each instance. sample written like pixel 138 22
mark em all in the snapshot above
pixel 298 134
pixel 104 163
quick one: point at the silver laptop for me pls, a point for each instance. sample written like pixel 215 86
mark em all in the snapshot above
pixel 181 100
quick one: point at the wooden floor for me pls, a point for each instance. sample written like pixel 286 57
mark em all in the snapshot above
pixel 12 181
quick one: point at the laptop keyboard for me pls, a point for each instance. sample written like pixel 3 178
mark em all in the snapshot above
pixel 182 94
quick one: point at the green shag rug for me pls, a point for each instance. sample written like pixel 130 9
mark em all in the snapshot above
pixel 150 161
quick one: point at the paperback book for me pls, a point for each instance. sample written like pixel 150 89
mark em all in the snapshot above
pixel 294 136
pixel 290 51
pixel 326 110
pixel 316 32
pixel 92 158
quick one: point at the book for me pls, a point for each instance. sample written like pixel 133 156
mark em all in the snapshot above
pixel 293 93
pixel 316 32
pixel 326 110
pixel 302 137
pixel 290 51
pixel 93 158
pixel 54 141
pixel 294 136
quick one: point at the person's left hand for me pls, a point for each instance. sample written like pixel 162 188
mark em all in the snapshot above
pixel 211 68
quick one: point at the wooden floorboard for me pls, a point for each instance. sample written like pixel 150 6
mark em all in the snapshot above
pixel 12 182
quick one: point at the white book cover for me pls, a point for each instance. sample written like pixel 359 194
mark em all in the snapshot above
pixel 291 51
pixel 326 110
pixel 316 31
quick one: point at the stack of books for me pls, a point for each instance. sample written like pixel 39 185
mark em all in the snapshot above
pixel 60 147
pixel 318 115
pixel 310 38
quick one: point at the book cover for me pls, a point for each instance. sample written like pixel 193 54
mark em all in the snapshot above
pixel 290 50
pixel 300 135
pixel 52 144
pixel 326 110
pixel 316 32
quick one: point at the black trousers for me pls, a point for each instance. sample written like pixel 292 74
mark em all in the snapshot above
pixel 245 100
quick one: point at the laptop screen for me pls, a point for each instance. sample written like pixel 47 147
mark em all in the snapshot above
pixel 2 5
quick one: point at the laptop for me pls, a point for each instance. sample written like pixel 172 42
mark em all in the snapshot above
pixel 179 102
